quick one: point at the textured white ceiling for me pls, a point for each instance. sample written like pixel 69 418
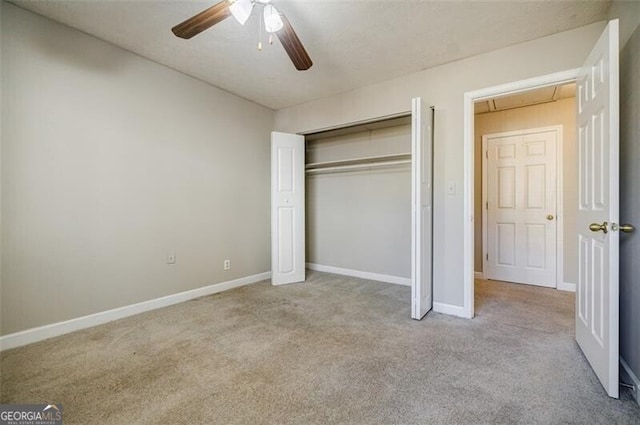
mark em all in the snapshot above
pixel 352 43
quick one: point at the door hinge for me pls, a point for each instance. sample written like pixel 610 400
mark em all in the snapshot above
pixel 486 205
pixel 486 154
pixel 487 257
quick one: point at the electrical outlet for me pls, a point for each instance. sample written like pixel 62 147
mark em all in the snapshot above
pixel 227 264
pixel 171 258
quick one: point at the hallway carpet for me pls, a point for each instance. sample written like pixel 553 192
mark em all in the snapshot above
pixel 334 350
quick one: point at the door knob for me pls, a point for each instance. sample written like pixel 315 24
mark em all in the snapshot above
pixel 595 227
pixel 550 217
pixel 627 228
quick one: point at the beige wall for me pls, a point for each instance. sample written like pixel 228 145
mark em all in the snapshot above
pixel 444 86
pixel 628 12
pixel 111 161
pixel 561 112
pixel 361 220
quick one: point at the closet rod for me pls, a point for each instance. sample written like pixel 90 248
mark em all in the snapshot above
pixel 339 168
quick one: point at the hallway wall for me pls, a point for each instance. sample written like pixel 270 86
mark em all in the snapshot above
pixel 630 203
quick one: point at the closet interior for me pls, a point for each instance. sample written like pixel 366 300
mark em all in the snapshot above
pixel 358 199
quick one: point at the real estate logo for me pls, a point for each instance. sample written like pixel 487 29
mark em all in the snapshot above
pixel 30 414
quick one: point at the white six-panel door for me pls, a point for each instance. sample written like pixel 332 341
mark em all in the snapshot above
pixel 520 205
pixel 597 291
pixel 287 208
pixel 422 208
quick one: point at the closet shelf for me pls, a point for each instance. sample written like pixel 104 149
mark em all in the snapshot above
pixel 363 162
pixel 357 166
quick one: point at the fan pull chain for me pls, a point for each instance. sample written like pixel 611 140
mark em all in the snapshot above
pixel 270 38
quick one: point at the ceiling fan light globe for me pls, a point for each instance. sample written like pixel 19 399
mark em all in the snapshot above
pixel 272 20
pixel 241 10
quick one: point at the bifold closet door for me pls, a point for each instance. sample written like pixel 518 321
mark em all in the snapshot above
pixel 421 208
pixel 287 208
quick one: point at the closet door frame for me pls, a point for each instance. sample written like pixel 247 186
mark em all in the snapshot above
pixel 421 203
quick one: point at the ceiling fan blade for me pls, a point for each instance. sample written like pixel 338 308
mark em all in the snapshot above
pixel 293 46
pixel 203 20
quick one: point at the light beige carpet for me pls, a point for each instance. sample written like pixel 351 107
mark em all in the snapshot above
pixel 331 350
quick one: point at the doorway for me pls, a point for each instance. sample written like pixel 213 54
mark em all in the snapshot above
pixel 524 178
pixel 288 196
pixel 473 159
pixel 597 215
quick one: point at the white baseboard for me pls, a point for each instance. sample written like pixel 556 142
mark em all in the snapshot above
pixel 363 275
pixel 452 310
pixel 478 275
pixel 632 379
pixel 565 286
pixel 55 329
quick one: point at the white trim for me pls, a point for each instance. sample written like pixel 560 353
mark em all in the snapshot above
pixel 366 121
pixel 55 329
pixel 478 275
pixel 560 206
pixel 634 379
pixel 484 227
pixel 449 309
pixel 469 99
pixel 469 207
pixel 566 286
pixel 405 281
pixel 559 213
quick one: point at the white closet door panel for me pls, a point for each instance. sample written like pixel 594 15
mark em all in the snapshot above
pixel 287 208
pixel 422 209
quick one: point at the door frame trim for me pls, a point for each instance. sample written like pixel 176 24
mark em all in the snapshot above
pixel 559 129
pixel 470 97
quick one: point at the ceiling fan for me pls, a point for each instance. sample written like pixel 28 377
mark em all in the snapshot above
pixel 274 23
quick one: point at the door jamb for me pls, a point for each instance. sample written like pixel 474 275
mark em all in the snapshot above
pixel 567 76
pixel 559 130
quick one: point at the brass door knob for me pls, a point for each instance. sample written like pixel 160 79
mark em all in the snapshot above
pixel 595 227
pixel 550 217
pixel 627 228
